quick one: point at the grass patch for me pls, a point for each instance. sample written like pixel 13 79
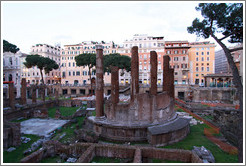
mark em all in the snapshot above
pixel 52 160
pixel 21 120
pixel 69 130
pixel 16 155
pixel 65 111
pixel 197 138
pixel 98 159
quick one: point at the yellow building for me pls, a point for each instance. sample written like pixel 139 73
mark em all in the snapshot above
pixel 201 59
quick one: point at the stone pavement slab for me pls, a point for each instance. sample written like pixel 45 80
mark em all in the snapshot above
pixel 41 127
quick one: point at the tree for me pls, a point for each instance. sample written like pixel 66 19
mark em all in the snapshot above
pixel 88 60
pixel 8 47
pixel 43 63
pixel 226 20
pixel 122 61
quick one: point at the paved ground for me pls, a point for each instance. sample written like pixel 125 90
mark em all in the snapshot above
pixel 41 127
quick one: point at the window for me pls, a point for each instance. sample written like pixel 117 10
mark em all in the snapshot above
pixel 159 56
pixel 175 81
pixel 197 49
pixel 183 58
pixel 69 64
pixel 202 64
pixel 202 48
pixel 202 68
pixel 202 53
pixel 197 69
pixel 184 52
pixel 145 68
pixel 175 73
pixel 207 53
pixel 183 81
pixel 197 75
pixel 207 58
pixel 140 63
pixel 168 52
pixel 197 53
pixel 73 64
pixel 145 56
pixel 202 58
pixel 69 73
pixel 159 62
pixel 77 73
pixel 208 48
pixel 176 52
pixel 207 68
pixel 176 58
pixel 10 61
pixel 207 64
pixel 197 59
pixel 196 64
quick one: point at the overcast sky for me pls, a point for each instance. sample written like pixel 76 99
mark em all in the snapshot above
pixel 28 23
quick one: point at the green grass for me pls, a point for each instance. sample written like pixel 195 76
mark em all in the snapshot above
pixel 65 111
pixel 105 160
pixel 21 120
pixel 51 160
pixel 16 155
pixel 197 138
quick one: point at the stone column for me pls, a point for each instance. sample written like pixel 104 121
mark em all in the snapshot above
pixel 34 95
pixel 23 91
pixel 99 81
pixel 115 84
pixel 165 72
pixel 37 93
pixel 171 83
pixel 153 71
pixel 11 96
pixel 134 72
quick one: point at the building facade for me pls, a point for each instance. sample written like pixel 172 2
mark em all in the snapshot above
pixel 201 61
pixel 179 60
pixel 33 75
pixel 75 75
pixel 12 69
pixel 145 44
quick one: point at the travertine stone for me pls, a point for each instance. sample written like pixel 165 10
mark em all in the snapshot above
pixel 99 81
pixel 153 63
pixel 134 72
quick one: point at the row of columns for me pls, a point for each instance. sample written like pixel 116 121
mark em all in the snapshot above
pixel 168 75
pixel 24 94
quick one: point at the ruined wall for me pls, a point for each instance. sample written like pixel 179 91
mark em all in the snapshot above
pixel 227 120
pixel 145 109
pixel 11 134
pixel 118 151
pixel 226 95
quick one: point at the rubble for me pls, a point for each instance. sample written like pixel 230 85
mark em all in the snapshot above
pixel 204 154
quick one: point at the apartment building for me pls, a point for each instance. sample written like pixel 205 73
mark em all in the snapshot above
pixel 73 74
pixel 179 60
pixel 145 44
pixel 202 61
pixel 12 69
pixel 33 75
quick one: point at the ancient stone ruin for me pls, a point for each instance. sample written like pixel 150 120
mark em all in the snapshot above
pixel 147 116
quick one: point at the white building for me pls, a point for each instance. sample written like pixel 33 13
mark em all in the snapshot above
pixel 33 75
pixel 12 69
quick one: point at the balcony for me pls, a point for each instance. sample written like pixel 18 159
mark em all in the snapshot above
pixel 11 67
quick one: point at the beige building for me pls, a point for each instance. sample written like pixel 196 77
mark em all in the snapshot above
pixel 145 44
pixel 75 75
pixel 33 75
pixel 201 61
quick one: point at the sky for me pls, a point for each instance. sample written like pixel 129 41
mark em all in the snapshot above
pixel 28 23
